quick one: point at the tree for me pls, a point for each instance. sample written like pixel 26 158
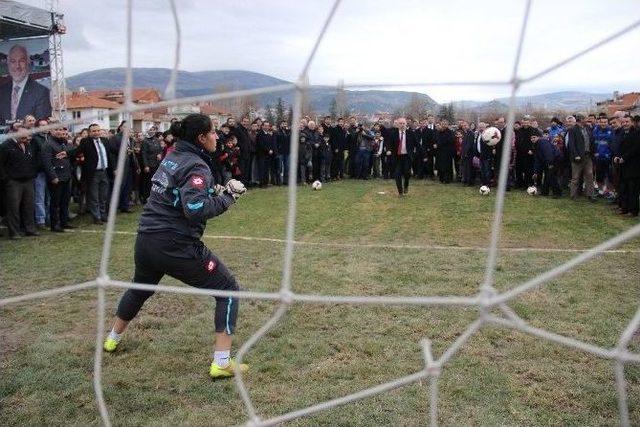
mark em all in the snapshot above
pixel 307 110
pixel 248 106
pixel 270 117
pixel 451 113
pixel 447 112
pixel 341 101
pixel 415 108
pixel 280 110
pixel 333 109
pixel 226 103
pixel 528 107
pixel 290 116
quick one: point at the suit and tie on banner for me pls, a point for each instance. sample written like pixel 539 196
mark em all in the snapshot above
pixel 24 79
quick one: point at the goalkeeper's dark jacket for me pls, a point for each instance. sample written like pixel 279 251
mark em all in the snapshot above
pixel 182 196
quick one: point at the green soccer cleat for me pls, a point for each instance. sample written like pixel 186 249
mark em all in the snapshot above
pixel 228 371
pixel 110 345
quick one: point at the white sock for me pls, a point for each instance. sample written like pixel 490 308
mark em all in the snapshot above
pixel 221 358
pixel 115 336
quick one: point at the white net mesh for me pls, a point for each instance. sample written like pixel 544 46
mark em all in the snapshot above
pixel 487 299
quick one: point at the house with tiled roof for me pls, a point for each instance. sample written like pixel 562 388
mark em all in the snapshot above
pixel 215 112
pixel 96 101
pixel 141 120
pixel 138 95
pixel 158 117
pixel 625 103
pixel 91 109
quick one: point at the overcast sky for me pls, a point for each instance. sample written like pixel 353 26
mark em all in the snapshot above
pixel 368 41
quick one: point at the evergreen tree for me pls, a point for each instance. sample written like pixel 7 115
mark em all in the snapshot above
pixel 269 114
pixel 280 110
pixel 442 111
pixel 447 112
pixel 290 116
pixel 333 109
pixel 451 114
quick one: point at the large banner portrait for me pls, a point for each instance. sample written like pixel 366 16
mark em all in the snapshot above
pixel 24 79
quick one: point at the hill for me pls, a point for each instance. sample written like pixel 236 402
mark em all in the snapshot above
pixel 205 82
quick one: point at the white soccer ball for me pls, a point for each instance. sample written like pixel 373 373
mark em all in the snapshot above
pixel 491 136
pixel 317 185
pixel 532 191
pixel 484 190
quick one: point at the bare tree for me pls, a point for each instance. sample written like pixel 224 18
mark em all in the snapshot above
pixel 248 106
pixel 416 108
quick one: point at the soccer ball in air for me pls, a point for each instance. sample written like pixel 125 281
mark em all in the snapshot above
pixel 491 136
pixel 484 190
pixel 317 185
pixel 532 191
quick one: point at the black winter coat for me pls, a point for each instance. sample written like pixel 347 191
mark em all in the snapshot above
pixel 630 153
pixel 445 139
pixel 266 142
pixel 17 164
pixel 54 167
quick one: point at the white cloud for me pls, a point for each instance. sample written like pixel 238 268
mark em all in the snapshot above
pixel 369 40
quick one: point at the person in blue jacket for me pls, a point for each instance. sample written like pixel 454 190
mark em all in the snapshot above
pixel 603 136
pixel 556 128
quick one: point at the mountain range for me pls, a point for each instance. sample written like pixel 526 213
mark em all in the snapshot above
pixel 207 82
pixel 565 101
pixel 319 97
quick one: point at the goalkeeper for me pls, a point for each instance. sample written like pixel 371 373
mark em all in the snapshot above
pixel 183 197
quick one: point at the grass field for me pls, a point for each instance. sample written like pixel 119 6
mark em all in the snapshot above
pixel 318 352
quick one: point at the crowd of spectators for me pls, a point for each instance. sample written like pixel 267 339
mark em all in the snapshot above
pixel 42 172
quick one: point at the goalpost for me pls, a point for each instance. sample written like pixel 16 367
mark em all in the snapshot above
pixel 486 300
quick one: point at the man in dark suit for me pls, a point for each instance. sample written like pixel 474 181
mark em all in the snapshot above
pixel 338 144
pixel 629 160
pixel 468 152
pixel 22 96
pixel 445 150
pixel 419 169
pixel 94 172
pixel 131 166
pixel 483 152
pixel 18 168
pixel 428 142
pixel 247 152
pixel 283 137
pixel 267 152
pixel 402 145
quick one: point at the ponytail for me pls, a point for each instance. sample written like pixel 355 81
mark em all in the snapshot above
pixel 192 126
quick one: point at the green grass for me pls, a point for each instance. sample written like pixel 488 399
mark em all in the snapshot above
pixel 319 352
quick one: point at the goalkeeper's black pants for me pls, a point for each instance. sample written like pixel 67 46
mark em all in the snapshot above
pixel 187 260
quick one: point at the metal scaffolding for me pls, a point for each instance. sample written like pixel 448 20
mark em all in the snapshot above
pixel 58 85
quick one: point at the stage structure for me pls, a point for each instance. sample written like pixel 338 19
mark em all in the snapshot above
pixel 19 21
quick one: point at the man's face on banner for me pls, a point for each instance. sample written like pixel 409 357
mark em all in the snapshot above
pixel 18 64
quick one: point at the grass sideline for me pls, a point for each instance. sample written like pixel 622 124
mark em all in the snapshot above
pixel 318 352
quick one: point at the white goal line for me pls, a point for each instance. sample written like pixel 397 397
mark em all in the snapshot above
pixel 382 245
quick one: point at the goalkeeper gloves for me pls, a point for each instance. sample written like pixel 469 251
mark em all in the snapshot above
pixel 218 189
pixel 235 188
